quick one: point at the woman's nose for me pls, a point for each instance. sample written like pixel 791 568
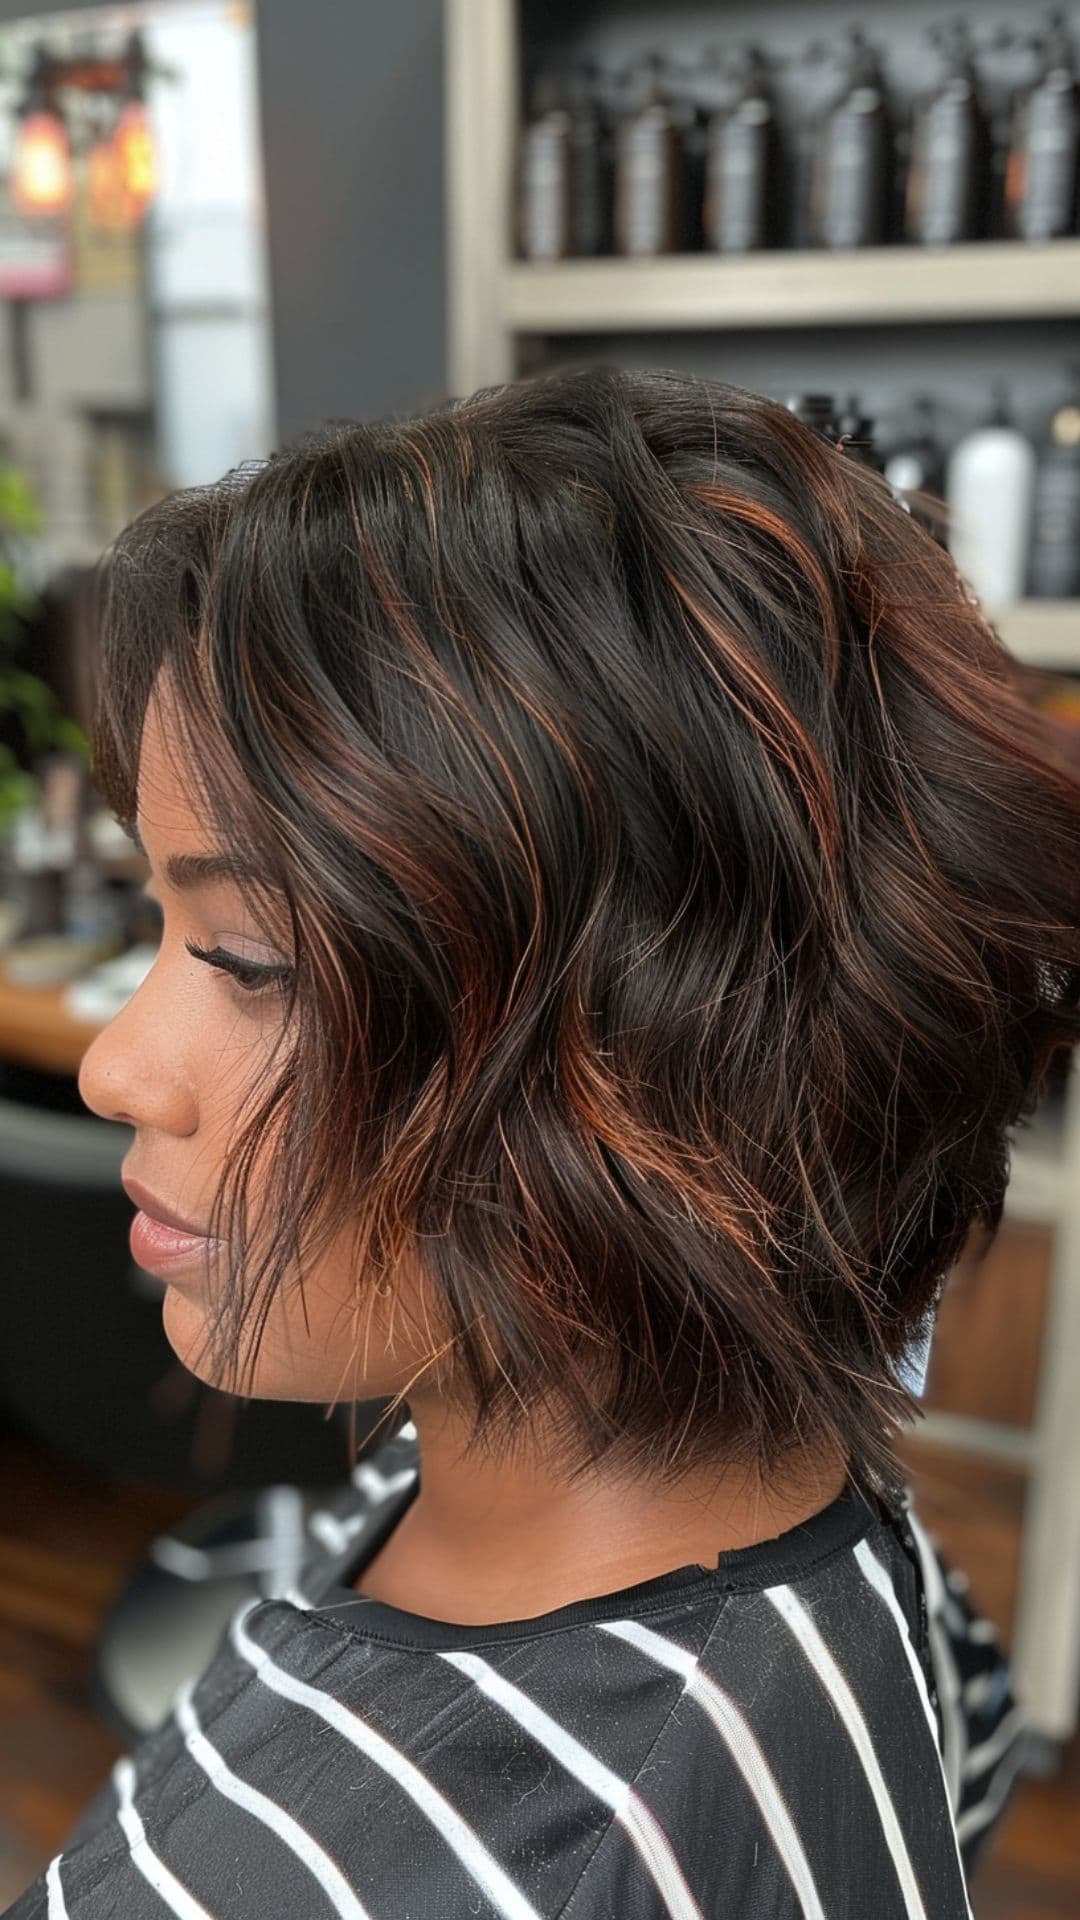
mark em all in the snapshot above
pixel 134 1070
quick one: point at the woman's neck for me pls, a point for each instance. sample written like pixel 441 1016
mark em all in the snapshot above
pixel 486 1541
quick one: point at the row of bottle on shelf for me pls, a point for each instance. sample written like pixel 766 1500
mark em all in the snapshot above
pixel 1012 519
pixel 665 158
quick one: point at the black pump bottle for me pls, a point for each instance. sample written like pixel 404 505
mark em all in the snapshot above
pixel 649 210
pixel 817 410
pixel 742 165
pixel 945 201
pixel 850 195
pixel 1041 173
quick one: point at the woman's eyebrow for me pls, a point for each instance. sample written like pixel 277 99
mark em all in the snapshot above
pixel 187 870
pixel 184 871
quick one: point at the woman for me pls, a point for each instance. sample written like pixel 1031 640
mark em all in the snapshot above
pixel 615 903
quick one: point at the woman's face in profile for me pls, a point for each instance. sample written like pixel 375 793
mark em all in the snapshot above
pixel 179 1063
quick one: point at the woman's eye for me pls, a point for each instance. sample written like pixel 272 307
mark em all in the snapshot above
pixel 249 975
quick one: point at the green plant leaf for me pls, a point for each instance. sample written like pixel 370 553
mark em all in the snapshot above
pixel 33 692
pixel 19 509
pixel 18 790
pixel 70 738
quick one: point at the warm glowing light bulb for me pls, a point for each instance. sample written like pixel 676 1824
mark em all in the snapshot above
pixel 136 154
pixel 42 180
pixel 111 206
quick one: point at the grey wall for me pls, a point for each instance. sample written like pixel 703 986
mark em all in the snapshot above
pixel 352 132
pixel 352 108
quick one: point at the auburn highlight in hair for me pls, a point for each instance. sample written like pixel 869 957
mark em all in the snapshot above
pixel 685 900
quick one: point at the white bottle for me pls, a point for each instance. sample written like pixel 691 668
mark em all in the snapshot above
pixel 989 485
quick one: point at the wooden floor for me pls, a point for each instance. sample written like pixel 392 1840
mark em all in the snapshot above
pixel 67 1539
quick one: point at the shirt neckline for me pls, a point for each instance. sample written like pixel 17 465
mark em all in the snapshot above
pixel 790 1556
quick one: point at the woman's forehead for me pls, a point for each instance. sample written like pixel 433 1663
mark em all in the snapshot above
pixel 167 792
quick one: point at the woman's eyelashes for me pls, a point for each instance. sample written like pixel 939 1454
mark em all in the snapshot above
pixel 251 976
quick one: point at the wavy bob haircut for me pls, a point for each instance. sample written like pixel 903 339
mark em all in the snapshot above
pixel 685 900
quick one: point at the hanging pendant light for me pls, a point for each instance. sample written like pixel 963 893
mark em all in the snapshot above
pixel 136 148
pixel 136 155
pixel 42 177
pixel 122 167
pixel 111 207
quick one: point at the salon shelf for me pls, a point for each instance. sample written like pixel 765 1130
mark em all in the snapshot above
pixel 982 280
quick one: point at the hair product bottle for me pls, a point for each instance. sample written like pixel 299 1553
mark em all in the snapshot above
pixel 590 162
pixel 800 153
pixel 946 192
pixel 916 466
pixel 742 164
pixel 916 463
pixel 1055 538
pixel 850 195
pixel 856 430
pixel 648 167
pixel 544 192
pixel 989 483
pixel 1041 175
pixel 1000 103
pixel 692 92
pixel 817 410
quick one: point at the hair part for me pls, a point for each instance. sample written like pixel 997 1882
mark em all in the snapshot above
pixel 686 902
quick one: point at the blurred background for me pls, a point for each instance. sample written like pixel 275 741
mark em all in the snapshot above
pixel 223 223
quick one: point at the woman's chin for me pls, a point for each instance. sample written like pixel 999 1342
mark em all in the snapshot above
pixel 187 1330
pixel 187 1333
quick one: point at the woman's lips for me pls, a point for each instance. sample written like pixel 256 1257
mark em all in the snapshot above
pixel 155 1247
pixel 141 1196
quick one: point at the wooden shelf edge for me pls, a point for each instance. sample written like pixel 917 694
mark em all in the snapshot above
pixel 982 280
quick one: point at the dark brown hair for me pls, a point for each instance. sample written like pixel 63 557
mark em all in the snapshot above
pixel 684 900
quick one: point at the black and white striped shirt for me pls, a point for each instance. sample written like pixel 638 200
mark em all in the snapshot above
pixel 819 1726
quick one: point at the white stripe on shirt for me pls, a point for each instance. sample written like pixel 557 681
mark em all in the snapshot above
pixel 462 1839
pixel 261 1807
pixel 953 1722
pixel 153 1870
pixel 879 1580
pixel 744 1750
pixel 792 1611
pixel 653 1846
pixel 57 1903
